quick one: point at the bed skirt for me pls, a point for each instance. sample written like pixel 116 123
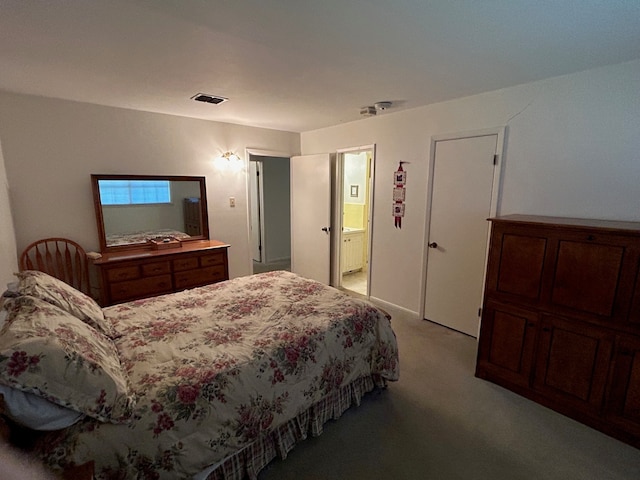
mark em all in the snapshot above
pixel 249 461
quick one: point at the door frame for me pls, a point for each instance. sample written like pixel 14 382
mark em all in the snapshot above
pixel 496 190
pixel 256 222
pixel 256 152
pixel 338 200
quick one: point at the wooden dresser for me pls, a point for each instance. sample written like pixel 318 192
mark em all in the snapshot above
pixel 561 318
pixel 131 274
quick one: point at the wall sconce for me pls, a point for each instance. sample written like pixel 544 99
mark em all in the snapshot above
pixel 229 161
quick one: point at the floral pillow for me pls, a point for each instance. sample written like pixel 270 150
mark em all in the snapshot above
pixel 56 292
pixel 50 353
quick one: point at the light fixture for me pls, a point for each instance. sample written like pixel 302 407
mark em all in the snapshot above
pixel 228 161
pixel 382 105
pixel 230 157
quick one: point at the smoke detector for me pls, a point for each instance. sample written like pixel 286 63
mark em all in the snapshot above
pixel 204 97
pixel 368 111
pixel 382 105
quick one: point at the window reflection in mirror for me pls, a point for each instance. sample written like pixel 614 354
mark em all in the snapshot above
pixel 130 210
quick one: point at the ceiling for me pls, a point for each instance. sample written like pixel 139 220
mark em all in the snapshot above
pixel 299 65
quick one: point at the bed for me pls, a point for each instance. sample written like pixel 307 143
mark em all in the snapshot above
pixel 212 382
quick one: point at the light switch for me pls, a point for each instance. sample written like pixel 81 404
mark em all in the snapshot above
pixel 232 201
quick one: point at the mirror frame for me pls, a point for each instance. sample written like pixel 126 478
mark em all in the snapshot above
pixel 100 218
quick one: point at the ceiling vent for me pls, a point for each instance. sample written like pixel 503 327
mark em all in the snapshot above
pixel 368 111
pixel 203 97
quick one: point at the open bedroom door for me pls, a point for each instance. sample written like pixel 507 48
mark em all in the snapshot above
pixel 311 216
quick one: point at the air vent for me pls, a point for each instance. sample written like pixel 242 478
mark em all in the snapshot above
pixel 203 97
pixel 368 111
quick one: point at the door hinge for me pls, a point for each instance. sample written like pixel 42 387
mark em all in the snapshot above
pixel 480 312
pixel 495 159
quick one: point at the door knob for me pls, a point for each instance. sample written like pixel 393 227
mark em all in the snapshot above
pixel 433 245
pixel 326 229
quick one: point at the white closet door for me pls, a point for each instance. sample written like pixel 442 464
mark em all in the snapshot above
pixel 458 231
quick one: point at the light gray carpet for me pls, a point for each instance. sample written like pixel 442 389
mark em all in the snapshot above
pixel 440 422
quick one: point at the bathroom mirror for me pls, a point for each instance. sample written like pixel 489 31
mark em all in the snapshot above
pixel 131 210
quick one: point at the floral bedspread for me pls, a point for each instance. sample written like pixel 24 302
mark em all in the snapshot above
pixel 215 367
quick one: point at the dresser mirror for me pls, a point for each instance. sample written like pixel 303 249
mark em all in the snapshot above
pixel 133 210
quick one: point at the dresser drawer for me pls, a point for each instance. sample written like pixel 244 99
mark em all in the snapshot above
pixel 159 268
pixel 209 260
pixel 123 273
pixel 199 277
pixel 143 287
pixel 188 263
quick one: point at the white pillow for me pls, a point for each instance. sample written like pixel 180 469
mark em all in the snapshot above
pixel 35 412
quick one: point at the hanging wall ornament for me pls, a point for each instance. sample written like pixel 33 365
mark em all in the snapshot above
pixel 399 193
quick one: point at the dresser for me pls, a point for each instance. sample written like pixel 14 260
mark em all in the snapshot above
pixel 131 274
pixel 561 318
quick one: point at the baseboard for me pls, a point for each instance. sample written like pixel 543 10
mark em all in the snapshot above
pixel 392 306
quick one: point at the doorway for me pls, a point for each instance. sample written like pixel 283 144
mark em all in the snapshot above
pixel 464 189
pixel 270 218
pixel 355 180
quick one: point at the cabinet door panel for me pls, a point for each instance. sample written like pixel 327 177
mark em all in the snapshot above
pixel 521 262
pixel 624 398
pixel 587 276
pixel 573 363
pixel 507 340
pixel 634 315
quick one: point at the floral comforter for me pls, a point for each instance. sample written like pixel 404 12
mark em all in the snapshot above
pixel 216 367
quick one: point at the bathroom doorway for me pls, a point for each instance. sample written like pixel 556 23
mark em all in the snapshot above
pixel 355 177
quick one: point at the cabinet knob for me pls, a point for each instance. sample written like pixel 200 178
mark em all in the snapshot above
pixel 432 245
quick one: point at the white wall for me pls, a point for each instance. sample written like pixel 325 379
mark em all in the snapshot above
pixel 573 146
pixel 8 252
pixel 52 146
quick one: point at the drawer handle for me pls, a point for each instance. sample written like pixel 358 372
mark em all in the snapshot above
pixel 591 238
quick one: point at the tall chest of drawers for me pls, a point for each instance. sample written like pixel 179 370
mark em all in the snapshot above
pixel 132 274
pixel 561 318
